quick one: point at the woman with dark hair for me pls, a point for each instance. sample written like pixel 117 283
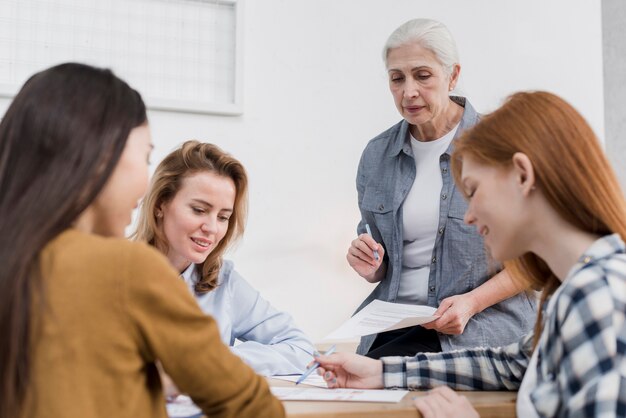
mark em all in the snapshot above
pixel 544 197
pixel 81 332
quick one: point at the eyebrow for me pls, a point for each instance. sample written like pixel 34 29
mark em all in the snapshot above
pixel 204 202
pixel 418 68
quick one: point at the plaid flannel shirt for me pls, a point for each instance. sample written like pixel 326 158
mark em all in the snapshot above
pixel 581 363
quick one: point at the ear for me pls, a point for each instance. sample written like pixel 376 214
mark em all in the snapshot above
pixel 524 172
pixel 158 211
pixel 454 76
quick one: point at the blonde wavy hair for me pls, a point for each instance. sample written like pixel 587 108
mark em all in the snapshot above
pixel 571 170
pixel 190 158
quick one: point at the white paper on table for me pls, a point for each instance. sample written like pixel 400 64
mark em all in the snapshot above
pixel 379 316
pixel 313 379
pixel 183 407
pixel 344 395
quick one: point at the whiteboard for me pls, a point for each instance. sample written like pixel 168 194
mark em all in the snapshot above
pixel 181 55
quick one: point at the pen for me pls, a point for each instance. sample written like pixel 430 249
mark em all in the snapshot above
pixel 314 365
pixel 369 232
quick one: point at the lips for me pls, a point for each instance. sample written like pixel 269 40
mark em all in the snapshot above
pixel 203 243
pixel 413 109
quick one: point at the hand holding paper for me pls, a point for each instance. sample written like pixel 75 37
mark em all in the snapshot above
pixel 381 316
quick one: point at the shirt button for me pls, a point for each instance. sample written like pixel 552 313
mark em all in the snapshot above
pixel 444 170
pixel 432 289
pixel 444 196
pixel 434 259
pixel 586 259
pixel 441 230
pixel 381 207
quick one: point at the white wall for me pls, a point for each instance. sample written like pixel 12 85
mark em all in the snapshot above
pixel 315 92
pixel 614 51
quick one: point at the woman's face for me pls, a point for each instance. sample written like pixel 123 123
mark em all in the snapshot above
pixel 196 219
pixel 419 84
pixel 111 210
pixel 496 206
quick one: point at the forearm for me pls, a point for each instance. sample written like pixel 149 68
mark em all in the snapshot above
pixel 276 359
pixel 500 287
pixel 472 369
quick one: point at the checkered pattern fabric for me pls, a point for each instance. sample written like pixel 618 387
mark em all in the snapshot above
pixel 581 365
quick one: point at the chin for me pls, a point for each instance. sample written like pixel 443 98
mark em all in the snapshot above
pixel 505 255
pixel 198 259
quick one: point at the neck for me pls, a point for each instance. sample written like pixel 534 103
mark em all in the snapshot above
pixel 561 244
pixel 437 128
pixel 180 265
pixel 85 221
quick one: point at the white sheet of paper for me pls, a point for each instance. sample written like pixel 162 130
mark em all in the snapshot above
pixel 313 379
pixel 344 395
pixel 380 316
pixel 182 407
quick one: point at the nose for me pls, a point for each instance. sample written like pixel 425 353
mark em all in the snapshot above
pixel 469 217
pixel 411 89
pixel 209 225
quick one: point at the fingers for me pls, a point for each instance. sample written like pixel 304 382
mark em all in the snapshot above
pixel 330 362
pixel 363 248
pixel 443 402
pixel 447 393
pixel 446 323
pixel 424 407
pixel 443 307
pixel 330 379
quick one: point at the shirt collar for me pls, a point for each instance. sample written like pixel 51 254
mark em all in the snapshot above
pixel 188 275
pixel 601 248
pixel 470 118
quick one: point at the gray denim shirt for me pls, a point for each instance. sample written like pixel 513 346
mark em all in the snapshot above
pixel 459 261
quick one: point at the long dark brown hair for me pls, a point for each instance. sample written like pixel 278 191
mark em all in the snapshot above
pixel 191 158
pixel 60 140
pixel 571 170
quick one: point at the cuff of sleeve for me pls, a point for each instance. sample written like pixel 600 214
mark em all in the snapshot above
pixel 394 372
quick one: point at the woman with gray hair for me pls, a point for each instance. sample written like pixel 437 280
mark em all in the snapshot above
pixel 419 250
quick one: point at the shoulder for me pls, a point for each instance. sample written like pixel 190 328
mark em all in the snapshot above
pixel 230 280
pixel 597 288
pixel 382 142
pixel 470 116
pixel 102 252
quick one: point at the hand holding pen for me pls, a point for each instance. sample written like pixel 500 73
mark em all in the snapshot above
pixel 314 366
pixel 365 256
pixel 369 232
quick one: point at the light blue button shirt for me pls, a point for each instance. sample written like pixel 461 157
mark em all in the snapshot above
pixel 270 341
pixel 458 262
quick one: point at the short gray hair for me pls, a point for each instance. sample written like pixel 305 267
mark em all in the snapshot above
pixel 430 34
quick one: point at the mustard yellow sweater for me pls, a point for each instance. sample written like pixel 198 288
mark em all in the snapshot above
pixel 111 308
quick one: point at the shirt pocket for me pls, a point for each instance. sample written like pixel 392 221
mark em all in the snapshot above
pixel 458 205
pixel 378 210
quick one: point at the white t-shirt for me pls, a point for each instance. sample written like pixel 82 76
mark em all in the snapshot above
pixel 420 218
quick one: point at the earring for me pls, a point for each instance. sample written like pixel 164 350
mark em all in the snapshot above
pixel 159 214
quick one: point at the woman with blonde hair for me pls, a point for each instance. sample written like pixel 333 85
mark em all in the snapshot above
pixel 543 195
pixel 195 209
